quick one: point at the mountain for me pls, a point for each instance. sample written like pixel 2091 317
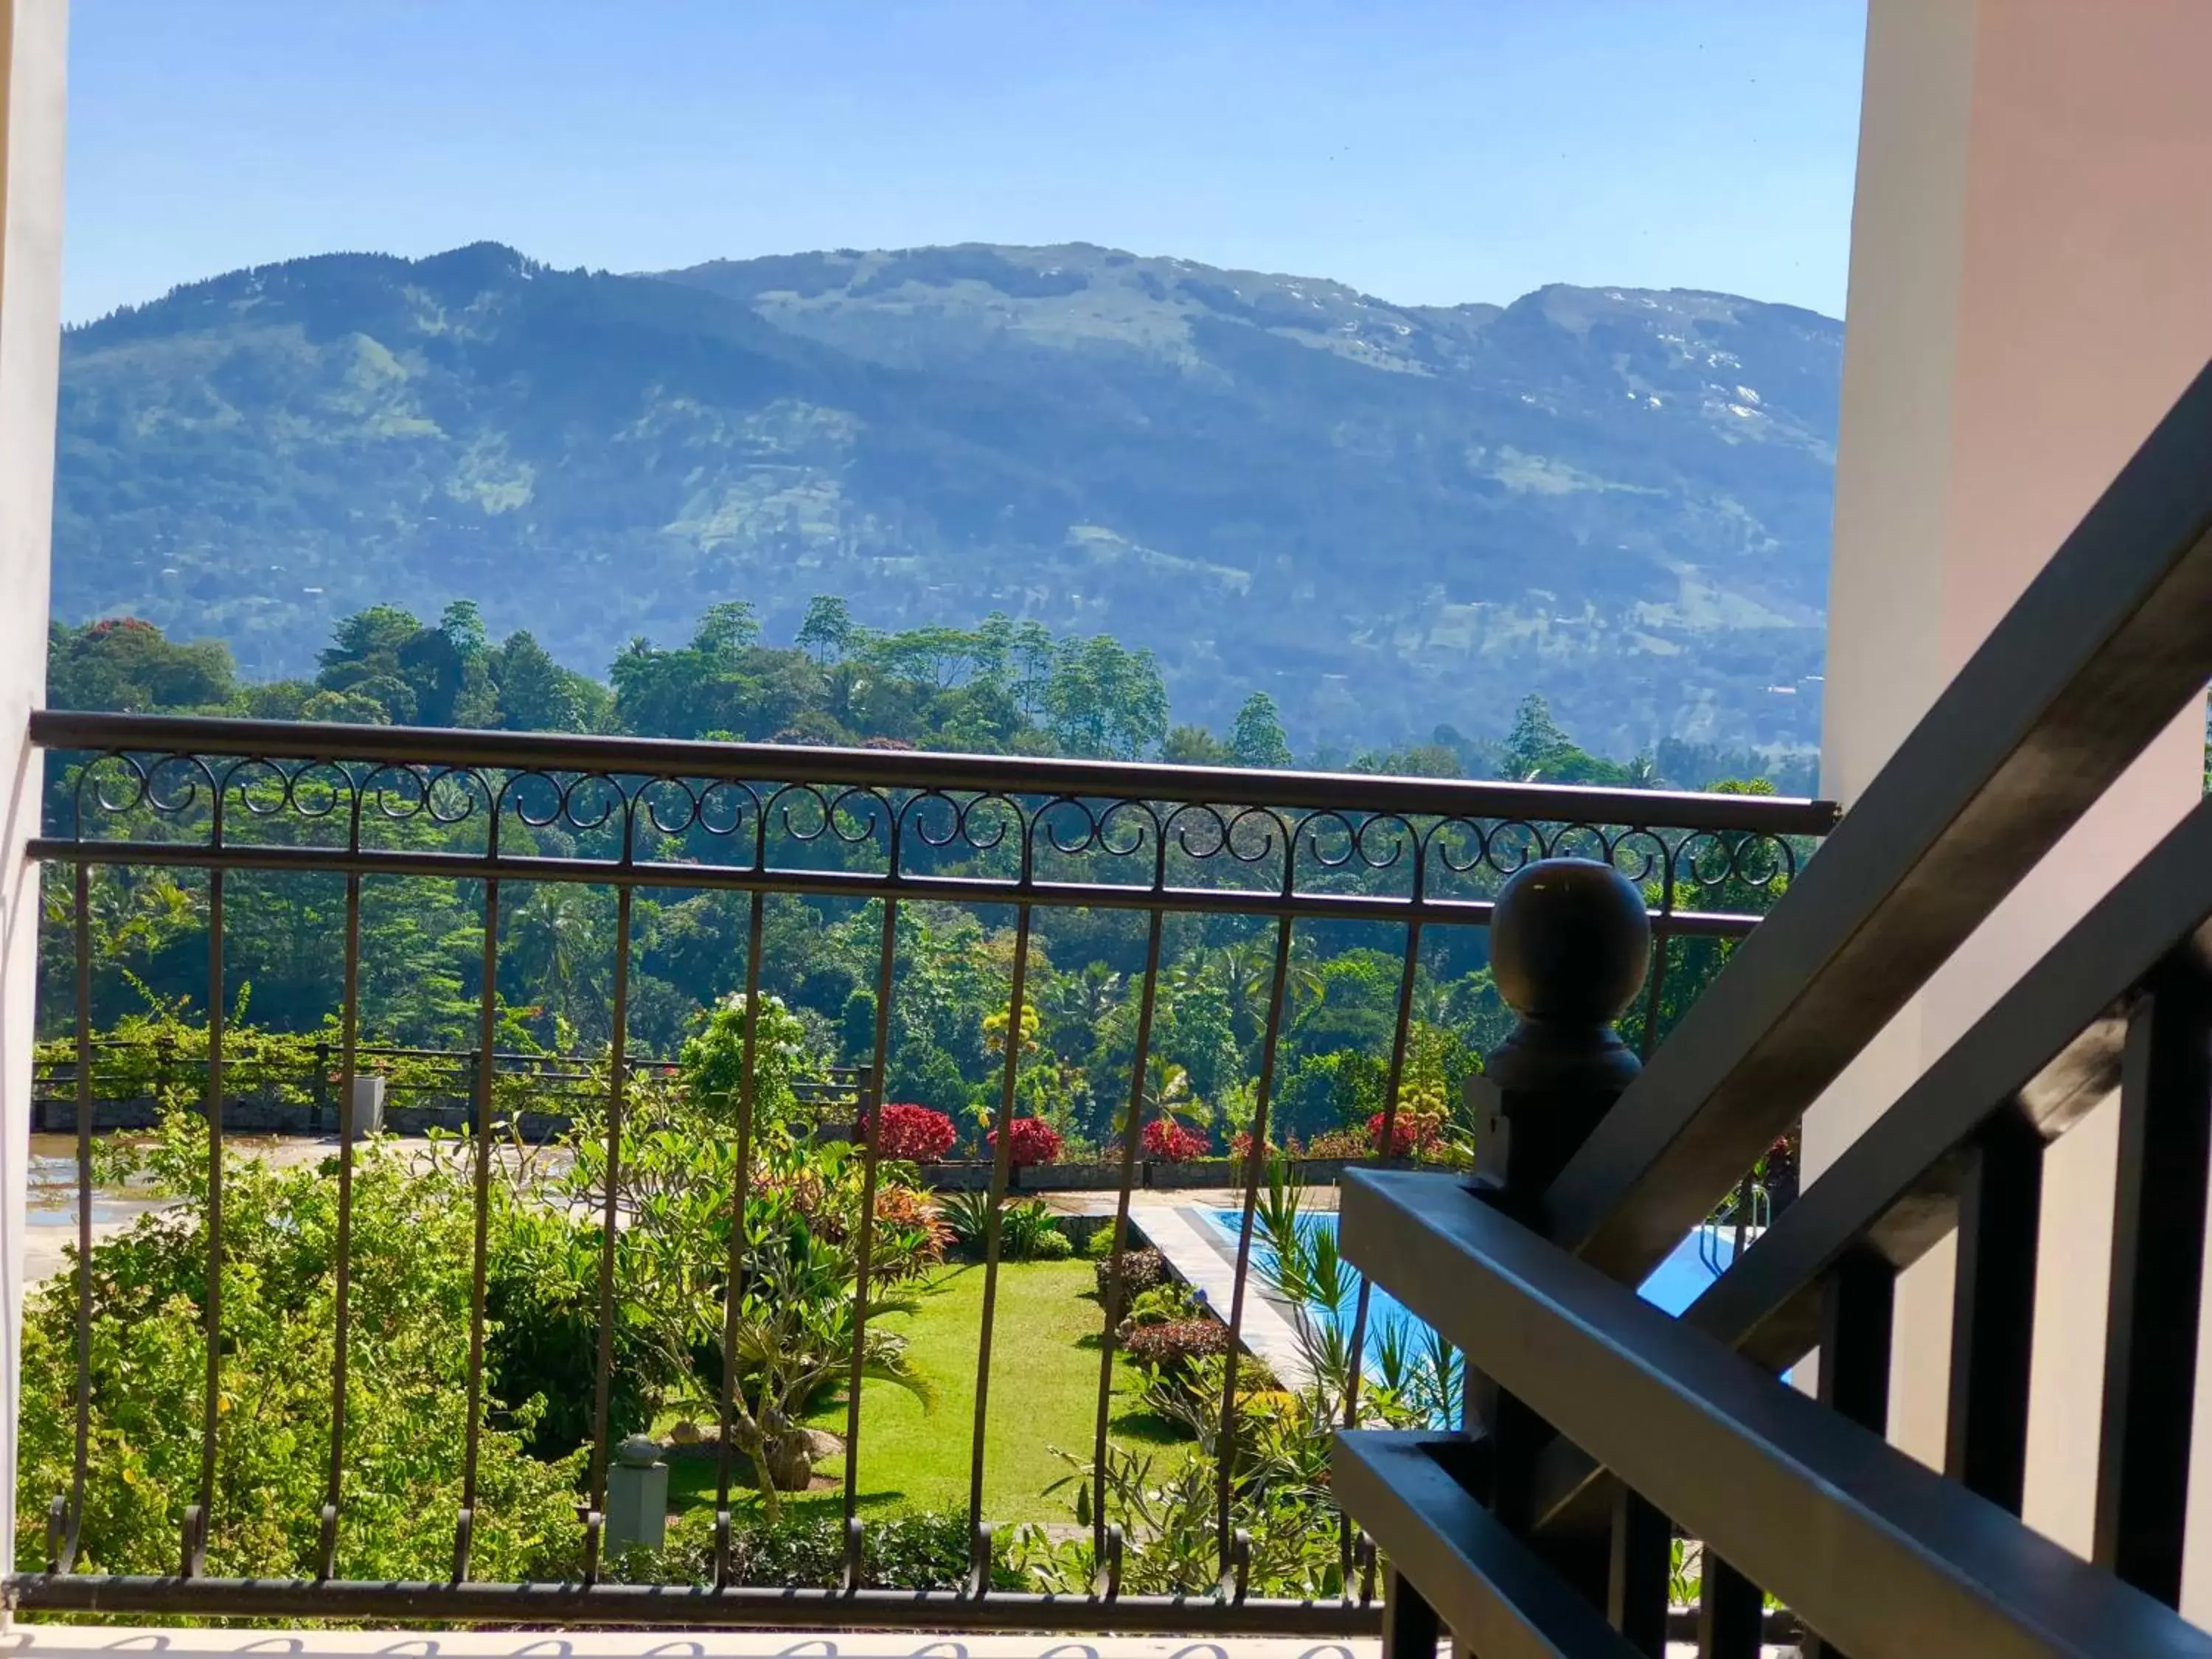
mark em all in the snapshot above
pixel 1389 517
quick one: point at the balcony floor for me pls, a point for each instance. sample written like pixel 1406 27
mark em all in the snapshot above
pixel 26 1641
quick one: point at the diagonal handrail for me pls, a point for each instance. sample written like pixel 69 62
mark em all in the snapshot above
pixel 1878 1552
pixel 2089 664
pixel 2049 1050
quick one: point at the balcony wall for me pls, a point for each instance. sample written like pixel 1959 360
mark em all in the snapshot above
pixel 2027 298
pixel 32 78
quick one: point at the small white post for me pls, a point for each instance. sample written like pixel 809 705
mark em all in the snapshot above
pixel 367 1106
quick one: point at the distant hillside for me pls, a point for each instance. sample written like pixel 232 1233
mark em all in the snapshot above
pixel 1388 517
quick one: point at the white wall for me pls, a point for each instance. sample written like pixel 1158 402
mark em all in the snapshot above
pixel 2029 292
pixel 32 63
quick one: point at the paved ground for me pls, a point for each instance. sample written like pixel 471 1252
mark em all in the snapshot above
pixel 1189 1198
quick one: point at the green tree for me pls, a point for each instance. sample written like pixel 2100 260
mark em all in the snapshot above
pixel 1538 751
pixel 1105 699
pixel 123 664
pixel 724 630
pixel 1194 745
pixel 828 632
pixel 1257 738
pixel 537 694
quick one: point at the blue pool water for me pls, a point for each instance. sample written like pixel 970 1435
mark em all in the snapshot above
pixel 1696 1262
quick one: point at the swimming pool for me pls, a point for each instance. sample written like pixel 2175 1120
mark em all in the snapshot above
pixel 1676 1283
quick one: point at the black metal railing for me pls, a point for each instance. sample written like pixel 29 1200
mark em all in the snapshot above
pixel 1605 1430
pixel 231 801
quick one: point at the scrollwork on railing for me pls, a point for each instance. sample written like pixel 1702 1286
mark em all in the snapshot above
pixel 601 821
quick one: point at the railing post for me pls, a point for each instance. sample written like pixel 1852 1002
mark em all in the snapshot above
pixel 1570 943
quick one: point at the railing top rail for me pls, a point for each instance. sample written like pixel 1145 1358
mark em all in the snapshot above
pixel 877 769
pixel 2091 662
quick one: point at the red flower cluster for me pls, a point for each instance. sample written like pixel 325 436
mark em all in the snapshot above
pixel 1240 1144
pixel 1413 1132
pixel 1033 1141
pixel 1168 1141
pixel 915 1133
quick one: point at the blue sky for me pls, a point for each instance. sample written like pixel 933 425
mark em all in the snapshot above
pixel 1425 152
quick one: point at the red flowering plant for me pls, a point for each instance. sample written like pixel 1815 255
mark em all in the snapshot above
pixel 1412 1133
pixel 1240 1146
pixel 1031 1140
pixel 915 1133
pixel 1167 1142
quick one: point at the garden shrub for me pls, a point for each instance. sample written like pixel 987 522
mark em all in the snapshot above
pixel 916 1228
pixel 1413 1132
pixel 1026 1233
pixel 407 1381
pixel 1239 1147
pixel 1165 1302
pixel 1340 1143
pixel 712 1061
pixel 1032 1139
pixel 1172 1346
pixel 925 1550
pixel 541 1340
pixel 914 1133
pixel 1169 1142
pixel 1141 1269
pixel 794 1329
pixel 967 1213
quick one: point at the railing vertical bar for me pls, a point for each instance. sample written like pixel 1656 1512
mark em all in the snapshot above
pixel 1993 1311
pixel 1411 1629
pixel 2156 1297
pixel 602 1378
pixel 1858 1305
pixel 487 1061
pixel 1409 975
pixel 198 1517
pixel 1639 1563
pixel 870 1141
pixel 1001 1165
pixel 1255 1161
pixel 734 1292
pixel 64 1552
pixel 1857 1323
pixel 1655 987
pixel 348 1058
pixel 1731 1613
pixel 1132 1129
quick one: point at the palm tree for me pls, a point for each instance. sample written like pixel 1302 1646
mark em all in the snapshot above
pixel 1083 1002
pixel 1168 1096
pixel 1246 973
pixel 550 940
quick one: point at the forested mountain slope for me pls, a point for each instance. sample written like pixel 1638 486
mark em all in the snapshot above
pixel 1388 518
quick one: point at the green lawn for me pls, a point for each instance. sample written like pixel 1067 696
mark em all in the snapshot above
pixel 1044 1392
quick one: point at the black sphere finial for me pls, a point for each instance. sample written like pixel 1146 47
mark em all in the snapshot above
pixel 1570 940
pixel 1570 943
